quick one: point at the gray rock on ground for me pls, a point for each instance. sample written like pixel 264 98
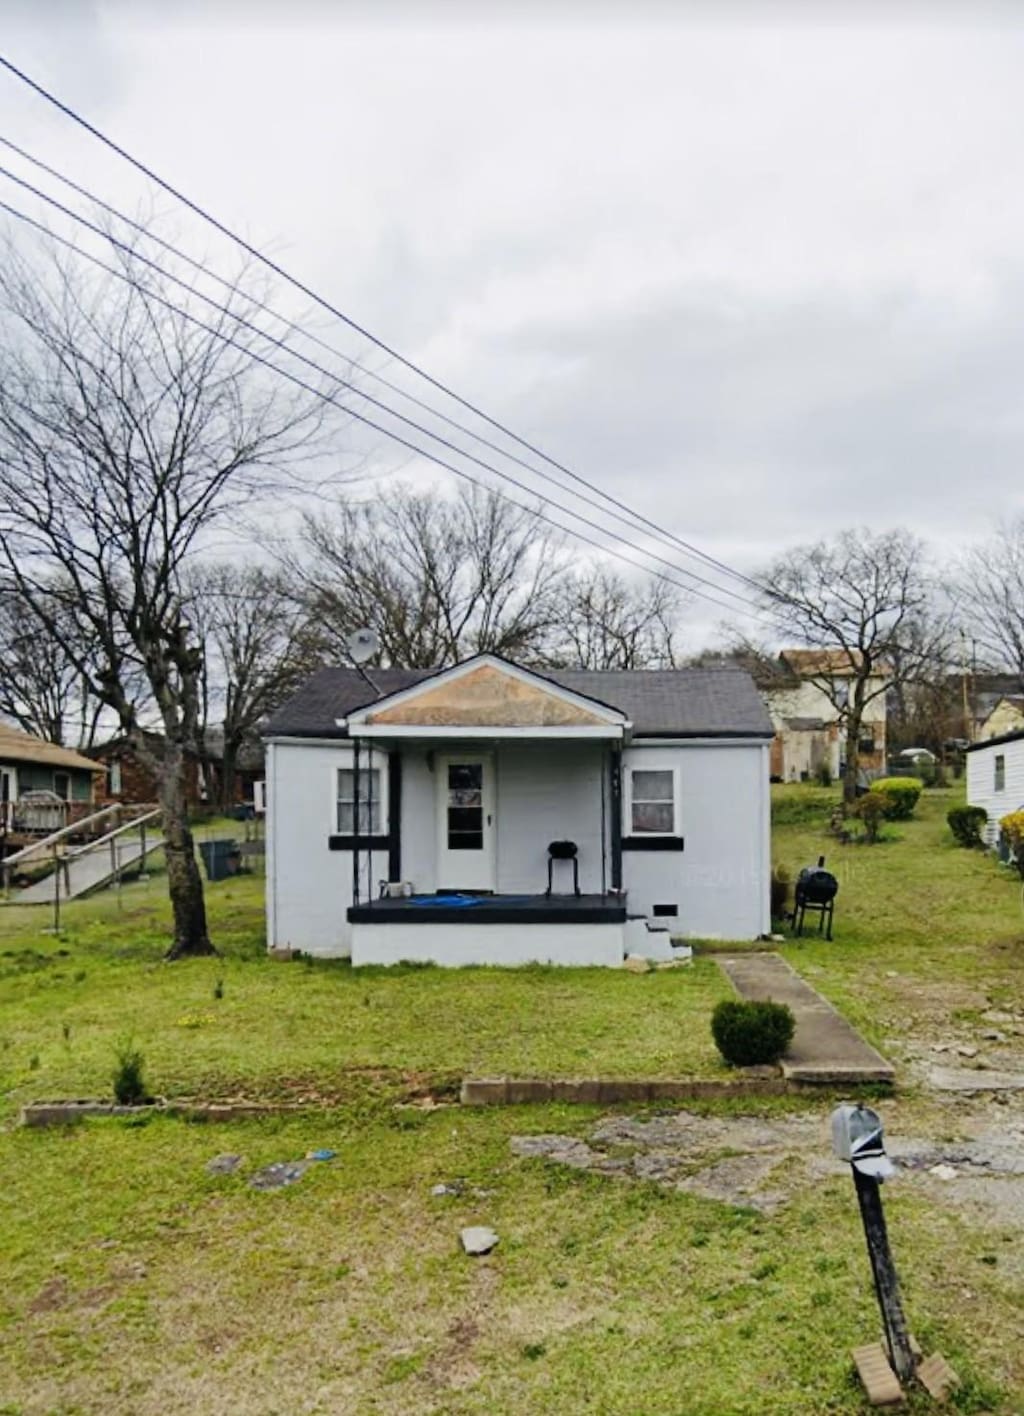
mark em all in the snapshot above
pixel 478 1239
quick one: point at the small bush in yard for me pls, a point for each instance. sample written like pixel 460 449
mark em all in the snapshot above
pixel 872 809
pixel 129 1082
pixel 903 794
pixel 748 1034
pixel 1012 827
pixel 967 824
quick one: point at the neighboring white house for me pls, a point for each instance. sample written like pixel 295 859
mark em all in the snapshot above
pixel 409 813
pixel 806 694
pixel 995 778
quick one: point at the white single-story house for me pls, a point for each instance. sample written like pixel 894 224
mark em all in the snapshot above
pixel 410 813
pixel 995 778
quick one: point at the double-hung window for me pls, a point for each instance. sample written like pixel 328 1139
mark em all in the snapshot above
pixel 1000 773
pixel 652 801
pixel 370 813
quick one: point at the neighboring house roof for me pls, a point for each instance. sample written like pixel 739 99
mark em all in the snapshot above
pixel 837 661
pixel 1015 736
pixel 16 746
pixel 710 702
pixel 250 758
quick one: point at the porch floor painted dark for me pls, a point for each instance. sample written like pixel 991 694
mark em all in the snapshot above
pixel 497 909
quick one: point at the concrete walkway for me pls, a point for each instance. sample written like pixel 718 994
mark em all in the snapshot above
pixel 825 1049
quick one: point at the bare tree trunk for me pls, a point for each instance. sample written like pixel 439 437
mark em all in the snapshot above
pixel 852 763
pixel 184 883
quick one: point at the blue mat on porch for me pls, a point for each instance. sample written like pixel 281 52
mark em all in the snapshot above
pixel 459 901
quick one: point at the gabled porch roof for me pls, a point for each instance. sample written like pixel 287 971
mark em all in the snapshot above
pixel 487 697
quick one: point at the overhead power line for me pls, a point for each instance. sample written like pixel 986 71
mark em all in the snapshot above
pixel 353 324
pixel 641 522
pixel 430 456
pixel 135 255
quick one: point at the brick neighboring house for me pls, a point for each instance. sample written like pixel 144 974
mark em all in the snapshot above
pixel 131 781
pixel 810 735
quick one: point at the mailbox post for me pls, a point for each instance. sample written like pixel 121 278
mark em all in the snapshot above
pixel 857 1137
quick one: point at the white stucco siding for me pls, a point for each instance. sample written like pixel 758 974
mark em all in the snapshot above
pixel 981 778
pixel 309 886
pixel 462 945
pixel 720 881
pixel 548 792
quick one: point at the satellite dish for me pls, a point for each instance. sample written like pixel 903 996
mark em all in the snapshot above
pixel 362 645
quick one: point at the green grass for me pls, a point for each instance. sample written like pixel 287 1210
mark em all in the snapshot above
pixel 136 1283
pixel 281 1029
pixel 925 931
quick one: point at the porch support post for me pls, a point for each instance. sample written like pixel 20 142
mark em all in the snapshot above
pixel 615 782
pixel 355 821
pixel 394 815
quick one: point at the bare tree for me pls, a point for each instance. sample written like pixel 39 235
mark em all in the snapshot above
pixel 127 432
pixel 609 623
pixel 864 600
pixel 42 689
pixel 990 591
pixel 257 651
pixel 437 577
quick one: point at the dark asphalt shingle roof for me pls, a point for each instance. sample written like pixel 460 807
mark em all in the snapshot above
pixel 705 702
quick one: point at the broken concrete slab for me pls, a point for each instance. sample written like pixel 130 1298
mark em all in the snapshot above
pixel 969 1079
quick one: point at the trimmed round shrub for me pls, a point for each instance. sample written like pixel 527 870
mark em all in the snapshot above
pixel 903 794
pixel 967 824
pixel 748 1034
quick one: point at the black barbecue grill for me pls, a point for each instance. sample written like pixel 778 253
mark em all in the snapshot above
pixel 816 890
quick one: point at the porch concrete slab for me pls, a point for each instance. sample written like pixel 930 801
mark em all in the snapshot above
pixel 826 1050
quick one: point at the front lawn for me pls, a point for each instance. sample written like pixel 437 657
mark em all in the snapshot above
pixel 281 1029
pixel 138 1284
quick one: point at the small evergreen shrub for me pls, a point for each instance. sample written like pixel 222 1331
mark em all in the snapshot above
pixel 967 824
pixel 823 774
pixel 129 1082
pixel 780 891
pixel 748 1034
pixel 873 808
pixel 903 794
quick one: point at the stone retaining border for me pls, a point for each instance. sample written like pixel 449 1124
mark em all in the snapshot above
pixel 515 1091
pixel 68 1113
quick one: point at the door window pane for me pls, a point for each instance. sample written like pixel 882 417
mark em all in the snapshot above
pixel 652 801
pixel 465 806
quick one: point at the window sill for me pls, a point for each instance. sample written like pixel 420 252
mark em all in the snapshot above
pixel 347 843
pixel 653 843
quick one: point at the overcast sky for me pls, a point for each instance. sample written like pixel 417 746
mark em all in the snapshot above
pixel 761 280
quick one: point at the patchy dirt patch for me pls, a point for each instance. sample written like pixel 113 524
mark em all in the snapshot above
pixel 760 1162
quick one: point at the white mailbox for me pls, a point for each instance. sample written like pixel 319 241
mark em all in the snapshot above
pixel 857 1137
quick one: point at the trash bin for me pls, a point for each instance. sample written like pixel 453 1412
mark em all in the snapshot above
pixel 221 858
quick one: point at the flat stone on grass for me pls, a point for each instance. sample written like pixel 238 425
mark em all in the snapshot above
pixel 478 1239
pixel 279 1173
pixel 223 1164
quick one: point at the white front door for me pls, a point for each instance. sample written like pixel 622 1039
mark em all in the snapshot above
pixel 465 828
